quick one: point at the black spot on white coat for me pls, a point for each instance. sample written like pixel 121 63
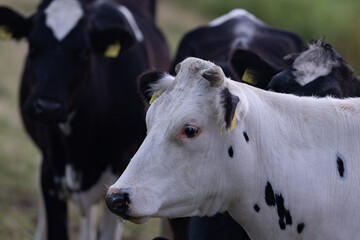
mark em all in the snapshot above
pixel 246 136
pixel 300 227
pixel 256 208
pixel 340 166
pixel 269 195
pixel 231 151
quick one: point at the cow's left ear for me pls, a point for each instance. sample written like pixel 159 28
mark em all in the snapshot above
pixel 250 68
pixel 152 84
pixel 13 25
pixel 227 102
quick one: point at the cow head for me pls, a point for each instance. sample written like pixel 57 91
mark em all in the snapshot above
pixel 179 169
pixel 319 71
pixel 64 38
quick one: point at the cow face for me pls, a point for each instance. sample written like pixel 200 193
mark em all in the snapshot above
pixel 178 170
pixel 64 39
pixel 318 71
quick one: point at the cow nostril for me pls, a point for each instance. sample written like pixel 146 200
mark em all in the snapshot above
pixel 118 203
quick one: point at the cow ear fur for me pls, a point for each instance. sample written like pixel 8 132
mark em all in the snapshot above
pixel 152 84
pixel 13 25
pixel 229 104
pixel 248 67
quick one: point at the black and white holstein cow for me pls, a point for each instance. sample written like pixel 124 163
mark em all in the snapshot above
pixel 79 100
pixel 246 48
pixel 284 166
pixel 318 71
pixel 250 51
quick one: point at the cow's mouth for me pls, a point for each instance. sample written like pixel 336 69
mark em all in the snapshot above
pixel 138 220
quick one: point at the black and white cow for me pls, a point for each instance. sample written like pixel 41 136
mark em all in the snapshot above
pixel 284 166
pixel 250 51
pixel 246 48
pixel 318 71
pixel 79 100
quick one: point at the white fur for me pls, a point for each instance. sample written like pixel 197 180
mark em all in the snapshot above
pixel 62 16
pixel 313 63
pixel 88 224
pixel 130 18
pixel 234 14
pixel 66 126
pixel 293 144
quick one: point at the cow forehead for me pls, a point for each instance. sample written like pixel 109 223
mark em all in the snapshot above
pixel 189 98
pixel 62 16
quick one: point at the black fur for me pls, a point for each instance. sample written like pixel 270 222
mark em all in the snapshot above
pixel 300 227
pixel 269 195
pixel 340 166
pixel 231 151
pixel 229 102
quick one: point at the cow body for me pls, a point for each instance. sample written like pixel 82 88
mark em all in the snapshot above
pixel 79 100
pixel 246 48
pixel 285 167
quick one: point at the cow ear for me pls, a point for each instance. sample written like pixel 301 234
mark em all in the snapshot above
pixel 152 84
pixel 13 25
pixel 228 115
pixel 248 67
pixel 111 42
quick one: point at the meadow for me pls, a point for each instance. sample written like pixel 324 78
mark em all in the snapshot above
pixel 337 21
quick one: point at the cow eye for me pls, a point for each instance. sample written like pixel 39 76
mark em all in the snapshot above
pixel 189 131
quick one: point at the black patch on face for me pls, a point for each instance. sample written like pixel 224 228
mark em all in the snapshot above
pixel 340 166
pixel 246 136
pixel 229 101
pixel 269 195
pixel 231 151
pixel 256 208
pixel 300 227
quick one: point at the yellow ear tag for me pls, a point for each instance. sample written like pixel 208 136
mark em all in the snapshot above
pixel 233 121
pixel 155 96
pixel 248 76
pixel 113 50
pixel 5 33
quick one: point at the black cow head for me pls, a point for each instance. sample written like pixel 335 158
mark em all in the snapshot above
pixel 318 71
pixel 64 36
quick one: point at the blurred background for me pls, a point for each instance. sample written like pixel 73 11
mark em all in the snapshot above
pixel 337 21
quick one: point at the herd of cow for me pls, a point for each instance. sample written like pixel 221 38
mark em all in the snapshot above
pixel 95 94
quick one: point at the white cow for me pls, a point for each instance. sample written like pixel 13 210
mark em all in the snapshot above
pixel 285 167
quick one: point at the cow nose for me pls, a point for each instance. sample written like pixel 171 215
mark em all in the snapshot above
pixel 118 201
pixel 47 109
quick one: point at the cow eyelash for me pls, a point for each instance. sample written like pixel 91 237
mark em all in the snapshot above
pixel 189 131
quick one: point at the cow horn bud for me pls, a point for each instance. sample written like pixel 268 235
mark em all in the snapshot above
pixel 214 75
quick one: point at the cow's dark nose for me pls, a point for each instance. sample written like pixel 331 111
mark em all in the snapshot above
pixel 48 110
pixel 118 202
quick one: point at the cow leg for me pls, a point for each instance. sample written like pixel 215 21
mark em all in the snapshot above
pixel 41 225
pixel 88 224
pixel 110 228
pixel 55 205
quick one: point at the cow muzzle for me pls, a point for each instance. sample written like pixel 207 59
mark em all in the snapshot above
pixel 46 110
pixel 118 202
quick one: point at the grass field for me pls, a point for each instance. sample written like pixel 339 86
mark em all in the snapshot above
pixel 19 159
